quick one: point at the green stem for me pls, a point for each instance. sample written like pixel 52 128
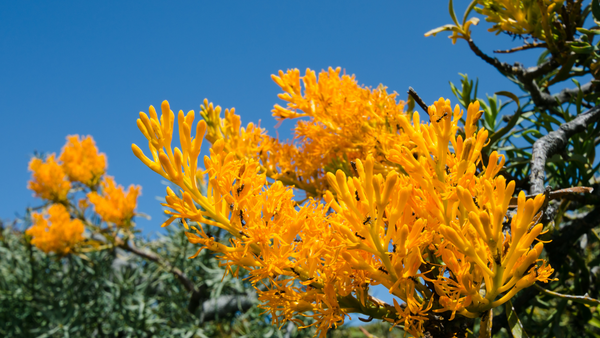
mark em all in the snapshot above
pixel 585 299
pixel 485 328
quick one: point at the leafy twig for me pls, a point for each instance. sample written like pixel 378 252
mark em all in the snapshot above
pixel 520 48
pixel 585 299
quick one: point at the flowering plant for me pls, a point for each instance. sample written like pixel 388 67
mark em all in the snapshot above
pixel 391 201
pixel 80 168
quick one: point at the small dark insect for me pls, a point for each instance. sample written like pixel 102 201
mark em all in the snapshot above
pixel 260 153
pixel 441 117
pixel 367 220
pixel 353 164
pixel 505 248
pixel 297 240
pixel 242 218
pixel 356 193
pixel 240 189
pixel 359 236
pixel 382 269
pixel 497 259
pixel 394 246
pixel 474 201
pixel 294 271
pixel 447 169
pixel 231 206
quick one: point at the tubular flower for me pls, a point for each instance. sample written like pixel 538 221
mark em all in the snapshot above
pixel 55 231
pixel 113 204
pixel 81 160
pixel 341 121
pixel 48 179
pixel 412 211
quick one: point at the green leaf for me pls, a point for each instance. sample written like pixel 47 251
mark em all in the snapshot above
pixel 469 9
pixel 443 28
pixel 581 47
pixel 588 31
pixel 565 70
pixel 452 14
pixel 596 9
pixel 506 129
pixel 511 96
pixel 516 327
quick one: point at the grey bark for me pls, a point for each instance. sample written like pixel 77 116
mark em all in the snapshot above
pixel 553 143
pixel 227 305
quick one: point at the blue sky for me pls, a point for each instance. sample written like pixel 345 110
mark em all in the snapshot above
pixel 88 68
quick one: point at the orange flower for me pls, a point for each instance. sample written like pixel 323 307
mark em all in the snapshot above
pixel 55 231
pixel 113 204
pixel 411 212
pixel 48 179
pixel 81 160
pixel 342 121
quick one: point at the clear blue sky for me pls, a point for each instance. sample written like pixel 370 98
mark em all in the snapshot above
pixel 88 68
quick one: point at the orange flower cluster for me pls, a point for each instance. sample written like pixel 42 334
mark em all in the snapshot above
pixel 54 231
pixel 412 207
pixel 113 205
pixel 341 121
pixel 48 180
pixel 81 160
pixel 81 165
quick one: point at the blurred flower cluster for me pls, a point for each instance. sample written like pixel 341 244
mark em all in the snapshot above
pixel 390 201
pixel 550 23
pixel 68 187
pixel 530 17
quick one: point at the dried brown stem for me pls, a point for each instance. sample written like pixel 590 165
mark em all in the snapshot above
pixel 556 194
pixel 418 99
pixel 520 48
